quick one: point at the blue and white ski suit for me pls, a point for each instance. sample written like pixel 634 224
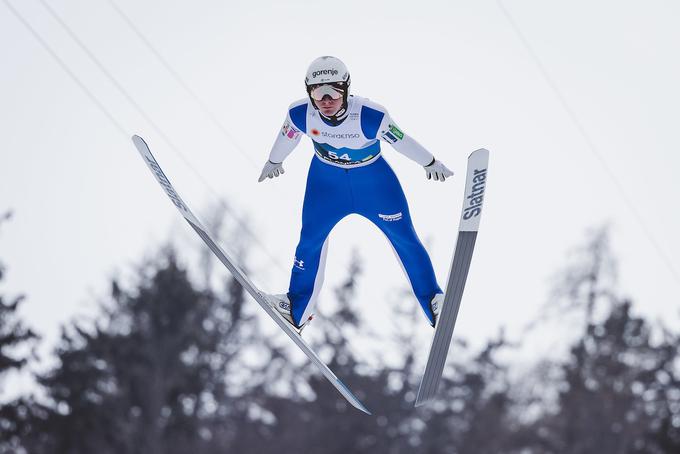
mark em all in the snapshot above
pixel 349 175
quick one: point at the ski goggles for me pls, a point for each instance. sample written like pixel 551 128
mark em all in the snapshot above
pixel 317 93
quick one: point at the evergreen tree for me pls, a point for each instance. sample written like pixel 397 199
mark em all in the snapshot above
pixel 149 377
pixel 615 388
pixel 16 343
pixel 172 367
pixel 617 391
pixel 13 333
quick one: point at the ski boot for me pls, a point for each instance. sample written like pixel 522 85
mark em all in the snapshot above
pixel 281 304
pixel 436 306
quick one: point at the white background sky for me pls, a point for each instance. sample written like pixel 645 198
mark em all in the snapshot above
pixel 455 75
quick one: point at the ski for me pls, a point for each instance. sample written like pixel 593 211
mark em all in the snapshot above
pixel 475 184
pixel 240 276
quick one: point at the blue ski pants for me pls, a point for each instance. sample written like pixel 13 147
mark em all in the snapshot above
pixel 372 191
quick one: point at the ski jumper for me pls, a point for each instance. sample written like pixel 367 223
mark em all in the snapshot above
pixel 348 175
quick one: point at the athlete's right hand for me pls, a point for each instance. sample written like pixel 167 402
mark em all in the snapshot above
pixel 271 170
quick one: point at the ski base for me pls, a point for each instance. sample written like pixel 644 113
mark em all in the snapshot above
pixel 241 277
pixel 462 257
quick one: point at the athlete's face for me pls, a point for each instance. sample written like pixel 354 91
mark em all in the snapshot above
pixel 329 106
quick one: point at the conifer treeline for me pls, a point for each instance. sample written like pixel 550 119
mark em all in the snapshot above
pixel 174 367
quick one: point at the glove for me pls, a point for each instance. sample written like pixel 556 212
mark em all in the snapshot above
pixel 437 170
pixel 271 170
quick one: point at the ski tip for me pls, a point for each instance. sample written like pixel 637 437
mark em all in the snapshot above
pixel 480 151
pixel 142 147
pixel 137 139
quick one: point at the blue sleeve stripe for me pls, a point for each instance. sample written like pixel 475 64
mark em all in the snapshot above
pixel 298 115
pixel 370 121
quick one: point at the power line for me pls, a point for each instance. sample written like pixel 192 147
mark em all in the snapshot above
pixel 66 69
pixel 175 75
pixel 590 143
pixel 131 100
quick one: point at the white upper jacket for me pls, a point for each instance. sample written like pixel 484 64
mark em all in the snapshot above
pixel 353 143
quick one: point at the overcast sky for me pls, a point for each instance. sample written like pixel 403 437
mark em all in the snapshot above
pixel 582 126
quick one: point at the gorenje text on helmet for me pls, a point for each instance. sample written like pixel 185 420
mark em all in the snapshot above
pixel 332 72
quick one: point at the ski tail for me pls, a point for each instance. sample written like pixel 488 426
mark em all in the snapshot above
pixel 475 185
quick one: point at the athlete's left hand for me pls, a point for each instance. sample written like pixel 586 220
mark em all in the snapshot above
pixel 438 171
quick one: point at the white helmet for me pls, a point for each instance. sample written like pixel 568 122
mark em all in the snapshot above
pixel 331 71
pixel 327 70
